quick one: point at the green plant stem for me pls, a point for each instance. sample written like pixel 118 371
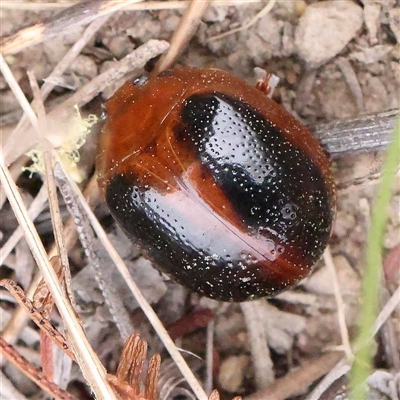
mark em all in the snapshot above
pixel 361 368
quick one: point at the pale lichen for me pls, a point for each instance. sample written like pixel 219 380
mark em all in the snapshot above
pixel 68 151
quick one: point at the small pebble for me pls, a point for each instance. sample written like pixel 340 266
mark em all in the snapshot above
pixel 325 29
pixel 232 372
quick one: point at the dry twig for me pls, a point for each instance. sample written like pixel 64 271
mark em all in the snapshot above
pixel 33 373
pixel 182 35
pixel 79 14
pixel 91 366
pixel 340 305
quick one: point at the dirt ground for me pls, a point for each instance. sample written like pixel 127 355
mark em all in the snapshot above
pixel 335 60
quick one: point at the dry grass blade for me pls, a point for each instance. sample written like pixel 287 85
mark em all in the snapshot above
pixel 12 148
pixel 147 309
pixel 182 34
pixel 35 209
pixel 134 61
pixel 90 365
pixel 148 5
pixel 340 369
pixel 37 317
pixel 387 310
pixel 16 323
pixel 79 14
pixel 298 381
pixel 42 297
pixel 18 320
pixel 62 114
pixel 33 373
pixel 340 305
pixel 210 356
pixel 56 219
pixel 18 93
pixel 355 135
pixel 102 273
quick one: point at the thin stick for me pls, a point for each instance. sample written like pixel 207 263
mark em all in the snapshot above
pixel 17 322
pixel 19 317
pixel 102 275
pixel 340 369
pixel 14 142
pixel 79 14
pixel 137 59
pixel 35 209
pixel 209 356
pixel 41 322
pixel 49 178
pixel 343 366
pixel 147 309
pixel 146 6
pixel 33 373
pixel 387 310
pixel 56 219
pixel 299 380
pixel 344 333
pixel 182 35
pixel 351 79
pixel 87 359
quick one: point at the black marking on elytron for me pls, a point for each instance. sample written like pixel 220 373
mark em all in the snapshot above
pixel 273 185
pixel 216 276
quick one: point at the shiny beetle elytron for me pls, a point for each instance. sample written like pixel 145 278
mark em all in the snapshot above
pixel 217 184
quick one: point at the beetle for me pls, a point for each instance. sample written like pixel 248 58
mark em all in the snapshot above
pixel 218 185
